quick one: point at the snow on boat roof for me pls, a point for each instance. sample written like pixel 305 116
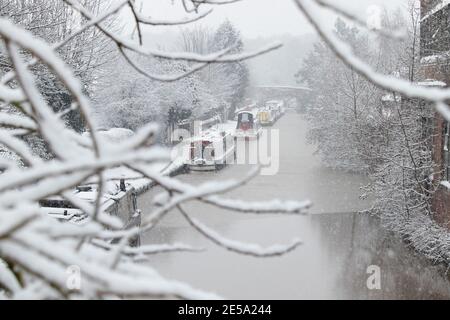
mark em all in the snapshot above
pixel 252 111
pixel 210 138
pixel 245 111
pixel 246 108
pixel 212 134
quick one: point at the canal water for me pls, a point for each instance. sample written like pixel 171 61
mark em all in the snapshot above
pixel 345 255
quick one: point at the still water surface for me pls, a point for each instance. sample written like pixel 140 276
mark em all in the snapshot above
pixel 339 245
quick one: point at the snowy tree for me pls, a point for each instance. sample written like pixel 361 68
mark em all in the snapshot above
pixel 313 9
pixel 341 112
pixel 404 179
pixel 198 39
pixel 126 98
pixel 229 81
pixel 225 83
pixel 402 183
pixel 54 21
pixel 400 56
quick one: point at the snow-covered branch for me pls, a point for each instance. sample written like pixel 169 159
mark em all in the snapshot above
pixel 122 42
pixel 236 246
pixel 36 250
pixel 438 96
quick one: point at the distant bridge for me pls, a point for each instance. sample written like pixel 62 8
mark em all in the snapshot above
pixel 264 93
pixel 281 88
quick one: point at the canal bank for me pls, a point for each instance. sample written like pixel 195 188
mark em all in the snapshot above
pixel 340 251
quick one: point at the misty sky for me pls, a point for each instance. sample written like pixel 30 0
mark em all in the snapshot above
pixel 259 18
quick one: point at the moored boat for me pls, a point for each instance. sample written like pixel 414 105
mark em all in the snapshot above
pixel 211 152
pixel 248 126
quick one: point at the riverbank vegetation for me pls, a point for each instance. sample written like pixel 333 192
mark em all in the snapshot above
pixel 360 126
pixel 130 97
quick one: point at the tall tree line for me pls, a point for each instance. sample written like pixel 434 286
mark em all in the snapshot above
pixel 359 127
pixel 128 99
pixel 53 21
pixel 227 81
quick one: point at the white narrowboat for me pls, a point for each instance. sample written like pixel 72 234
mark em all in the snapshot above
pixel 211 152
pixel 277 107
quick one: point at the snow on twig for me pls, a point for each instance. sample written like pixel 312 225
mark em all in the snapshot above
pixel 41 248
pixel 185 56
pixel 271 206
pixel 239 247
pixel 389 83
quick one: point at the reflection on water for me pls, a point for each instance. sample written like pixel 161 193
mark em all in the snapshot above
pixel 337 251
pixel 332 264
pixel 354 242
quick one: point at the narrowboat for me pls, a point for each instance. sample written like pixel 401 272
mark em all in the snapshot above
pixel 211 152
pixel 266 117
pixel 248 126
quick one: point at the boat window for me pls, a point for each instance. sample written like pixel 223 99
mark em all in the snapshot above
pixel 192 150
pixel 207 150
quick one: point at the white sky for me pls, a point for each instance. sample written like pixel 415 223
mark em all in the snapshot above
pixel 259 18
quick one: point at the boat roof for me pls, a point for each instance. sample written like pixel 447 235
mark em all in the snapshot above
pixel 253 111
pixel 211 135
pixel 245 111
